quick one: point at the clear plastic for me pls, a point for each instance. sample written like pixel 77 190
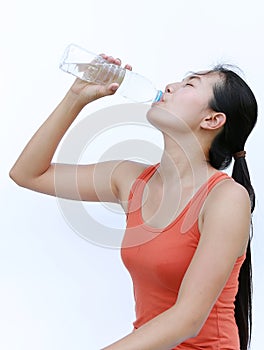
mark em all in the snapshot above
pixel 94 69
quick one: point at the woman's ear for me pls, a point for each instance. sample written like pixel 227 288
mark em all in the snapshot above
pixel 213 121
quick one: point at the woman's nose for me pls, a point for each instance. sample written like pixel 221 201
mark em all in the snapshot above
pixel 170 88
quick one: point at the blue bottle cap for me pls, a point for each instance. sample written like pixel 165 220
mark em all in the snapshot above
pixel 158 96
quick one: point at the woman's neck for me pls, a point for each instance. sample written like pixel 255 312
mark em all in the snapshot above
pixel 184 163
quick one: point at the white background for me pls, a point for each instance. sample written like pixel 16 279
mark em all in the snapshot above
pixel 58 291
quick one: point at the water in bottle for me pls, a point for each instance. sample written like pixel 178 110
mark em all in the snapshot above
pixel 95 69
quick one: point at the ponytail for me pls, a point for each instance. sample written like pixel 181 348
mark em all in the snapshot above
pixel 243 302
pixel 241 175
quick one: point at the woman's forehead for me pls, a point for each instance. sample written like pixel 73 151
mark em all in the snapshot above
pixel 206 77
pixel 203 73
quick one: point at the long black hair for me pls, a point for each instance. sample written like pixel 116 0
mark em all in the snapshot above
pixel 232 96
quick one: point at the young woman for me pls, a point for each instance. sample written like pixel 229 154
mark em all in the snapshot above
pixel 187 242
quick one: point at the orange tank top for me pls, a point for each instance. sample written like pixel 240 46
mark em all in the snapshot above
pixel 157 260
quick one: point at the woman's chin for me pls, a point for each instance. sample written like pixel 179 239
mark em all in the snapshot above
pixel 158 114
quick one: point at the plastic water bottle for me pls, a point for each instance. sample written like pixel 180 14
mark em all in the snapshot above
pixel 95 69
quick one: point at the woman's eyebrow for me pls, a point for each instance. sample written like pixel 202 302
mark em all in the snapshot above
pixel 192 77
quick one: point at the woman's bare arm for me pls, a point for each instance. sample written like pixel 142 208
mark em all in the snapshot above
pixel 94 182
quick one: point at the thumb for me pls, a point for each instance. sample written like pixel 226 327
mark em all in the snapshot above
pixel 111 89
pixel 106 90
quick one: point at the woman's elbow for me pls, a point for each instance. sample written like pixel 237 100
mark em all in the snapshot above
pixel 17 177
pixel 13 175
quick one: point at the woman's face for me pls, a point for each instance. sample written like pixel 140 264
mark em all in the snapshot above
pixel 184 102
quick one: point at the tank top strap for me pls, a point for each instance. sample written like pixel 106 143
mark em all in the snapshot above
pixel 195 205
pixel 213 180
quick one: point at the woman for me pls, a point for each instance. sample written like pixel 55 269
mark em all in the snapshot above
pixel 187 240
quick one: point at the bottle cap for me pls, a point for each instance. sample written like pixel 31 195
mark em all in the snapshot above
pixel 158 96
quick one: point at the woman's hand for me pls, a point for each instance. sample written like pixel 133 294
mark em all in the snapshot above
pixel 88 92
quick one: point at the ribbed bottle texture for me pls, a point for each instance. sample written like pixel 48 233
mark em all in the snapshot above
pixel 95 69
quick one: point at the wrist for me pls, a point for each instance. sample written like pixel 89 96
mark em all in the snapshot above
pixel 75 100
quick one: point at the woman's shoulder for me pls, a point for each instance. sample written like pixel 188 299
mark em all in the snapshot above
pixel 227 214
pixel 229 188
pixel 227 193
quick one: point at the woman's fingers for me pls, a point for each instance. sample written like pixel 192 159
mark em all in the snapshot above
pixel 127 66
pixel 116 61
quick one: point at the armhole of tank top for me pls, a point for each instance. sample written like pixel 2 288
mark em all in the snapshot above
pixel 142 176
